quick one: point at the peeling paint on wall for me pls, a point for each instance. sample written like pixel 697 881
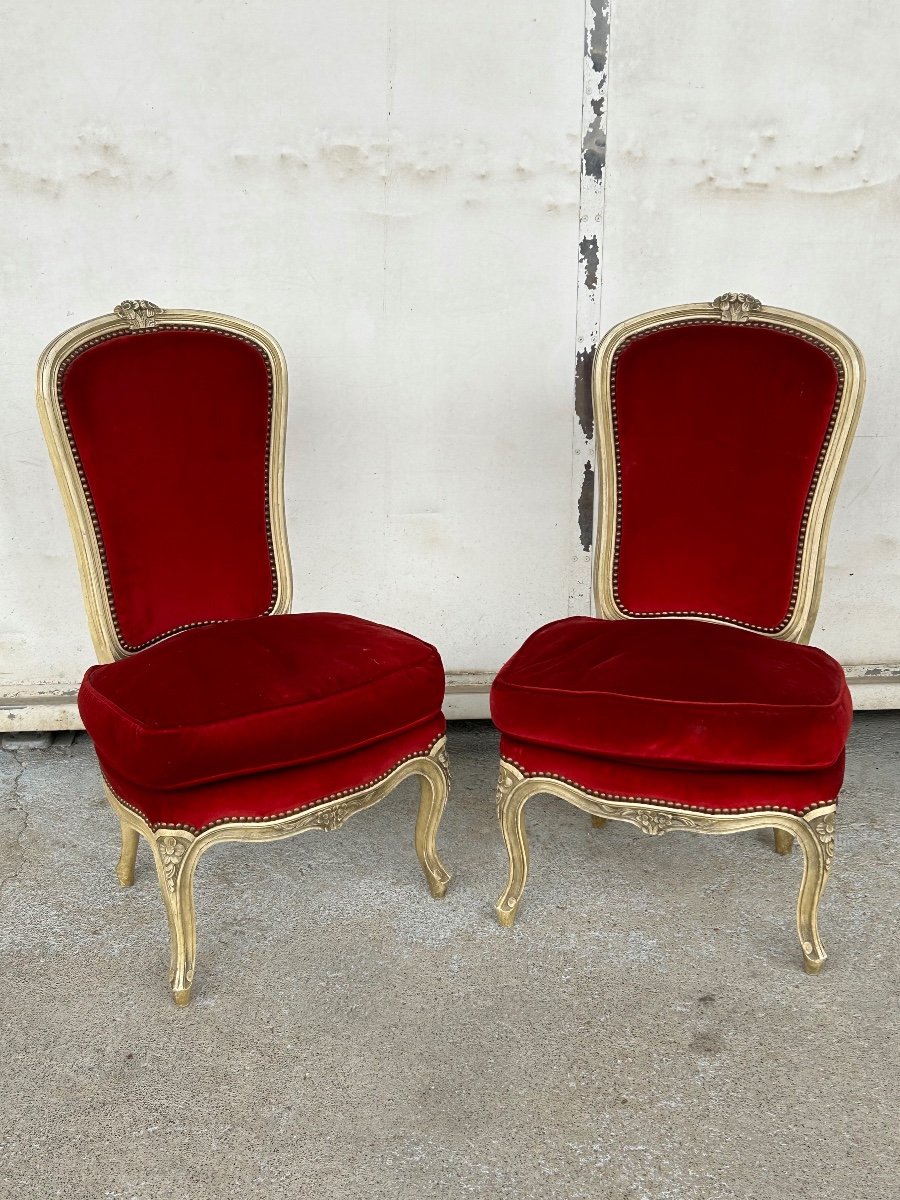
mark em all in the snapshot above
pixel 589 253
pixel 596 51
pixel 584 402
pixel 586 508
pixel 590 259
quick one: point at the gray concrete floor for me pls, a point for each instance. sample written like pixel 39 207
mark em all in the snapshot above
pixel 645 1031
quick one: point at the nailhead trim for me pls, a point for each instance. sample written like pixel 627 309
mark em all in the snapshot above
pixel 291 812
pixel 810 496
pixel 85 487
pixel 655 802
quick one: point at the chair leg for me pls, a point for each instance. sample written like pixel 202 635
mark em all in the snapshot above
pixel 817 840
pixel 125 866
pixel 435 788
pixel 784 841
pixel 598 822
pixel 510 803
pixel 175 865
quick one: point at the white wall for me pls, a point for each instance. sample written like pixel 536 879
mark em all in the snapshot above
pixel 756 147
pixel 391 188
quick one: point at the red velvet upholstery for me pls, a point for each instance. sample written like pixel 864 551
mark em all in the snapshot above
pixel 171 427
pixel 236 699
pixel 274 793
pixel 718 432
pixel 678 692
pixel 706 791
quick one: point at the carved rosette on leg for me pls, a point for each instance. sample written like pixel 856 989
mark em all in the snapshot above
pixel 815 833
pixel 176 860
pixel 817 840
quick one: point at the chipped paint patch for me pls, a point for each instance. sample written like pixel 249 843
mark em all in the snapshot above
pixel 876 671
pixel 584 403
pixel 596 52
pixel 589 253
pixel 586 508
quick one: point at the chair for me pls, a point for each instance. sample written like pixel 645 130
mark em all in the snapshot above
pixel 216 715
pixel 691 701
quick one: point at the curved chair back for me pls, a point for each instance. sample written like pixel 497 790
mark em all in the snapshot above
pixel 722 432
pixel 166 431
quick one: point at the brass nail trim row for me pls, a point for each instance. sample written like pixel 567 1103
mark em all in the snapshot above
pixel 144 318
pixel 815 831
pixel 177 850
pixel 656 802
pixel 151 325
pixel 745 311
pixel 745 322
pixel 345 795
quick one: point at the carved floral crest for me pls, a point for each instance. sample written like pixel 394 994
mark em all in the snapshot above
pixel 140 314
pixel 736 307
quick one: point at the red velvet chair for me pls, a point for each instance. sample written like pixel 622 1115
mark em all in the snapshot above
pixel 690 701
pixel 216 715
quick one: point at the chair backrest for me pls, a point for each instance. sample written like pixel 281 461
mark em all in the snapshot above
pixel 166 430
pixel 722 433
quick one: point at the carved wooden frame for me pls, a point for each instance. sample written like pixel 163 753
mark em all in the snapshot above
pixel 741 309
pixel 176 851
pixel 814 829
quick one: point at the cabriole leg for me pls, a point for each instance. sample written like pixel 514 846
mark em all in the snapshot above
pixel 510 802
pixel 817 840
pixel 175 865
pixel 435 788
pixel 125 867
pixel 784 841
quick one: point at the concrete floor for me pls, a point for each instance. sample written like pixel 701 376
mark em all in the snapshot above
pixel 646 1029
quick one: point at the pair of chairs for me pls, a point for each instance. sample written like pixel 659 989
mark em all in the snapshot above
pixel 689 702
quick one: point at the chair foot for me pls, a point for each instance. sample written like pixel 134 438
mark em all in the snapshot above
pixel 438 887
pixel 182 996
pixel 598 822
pixel 813 966
pixel 784 841
pixel 125 866
pixel 506 912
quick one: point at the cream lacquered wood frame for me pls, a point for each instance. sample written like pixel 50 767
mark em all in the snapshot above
pixel 142 316
pixel 814 829
pixel 176 850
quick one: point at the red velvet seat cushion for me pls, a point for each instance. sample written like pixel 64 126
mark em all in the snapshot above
pixel 676 693
pixel 274 793
pixel 256 695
